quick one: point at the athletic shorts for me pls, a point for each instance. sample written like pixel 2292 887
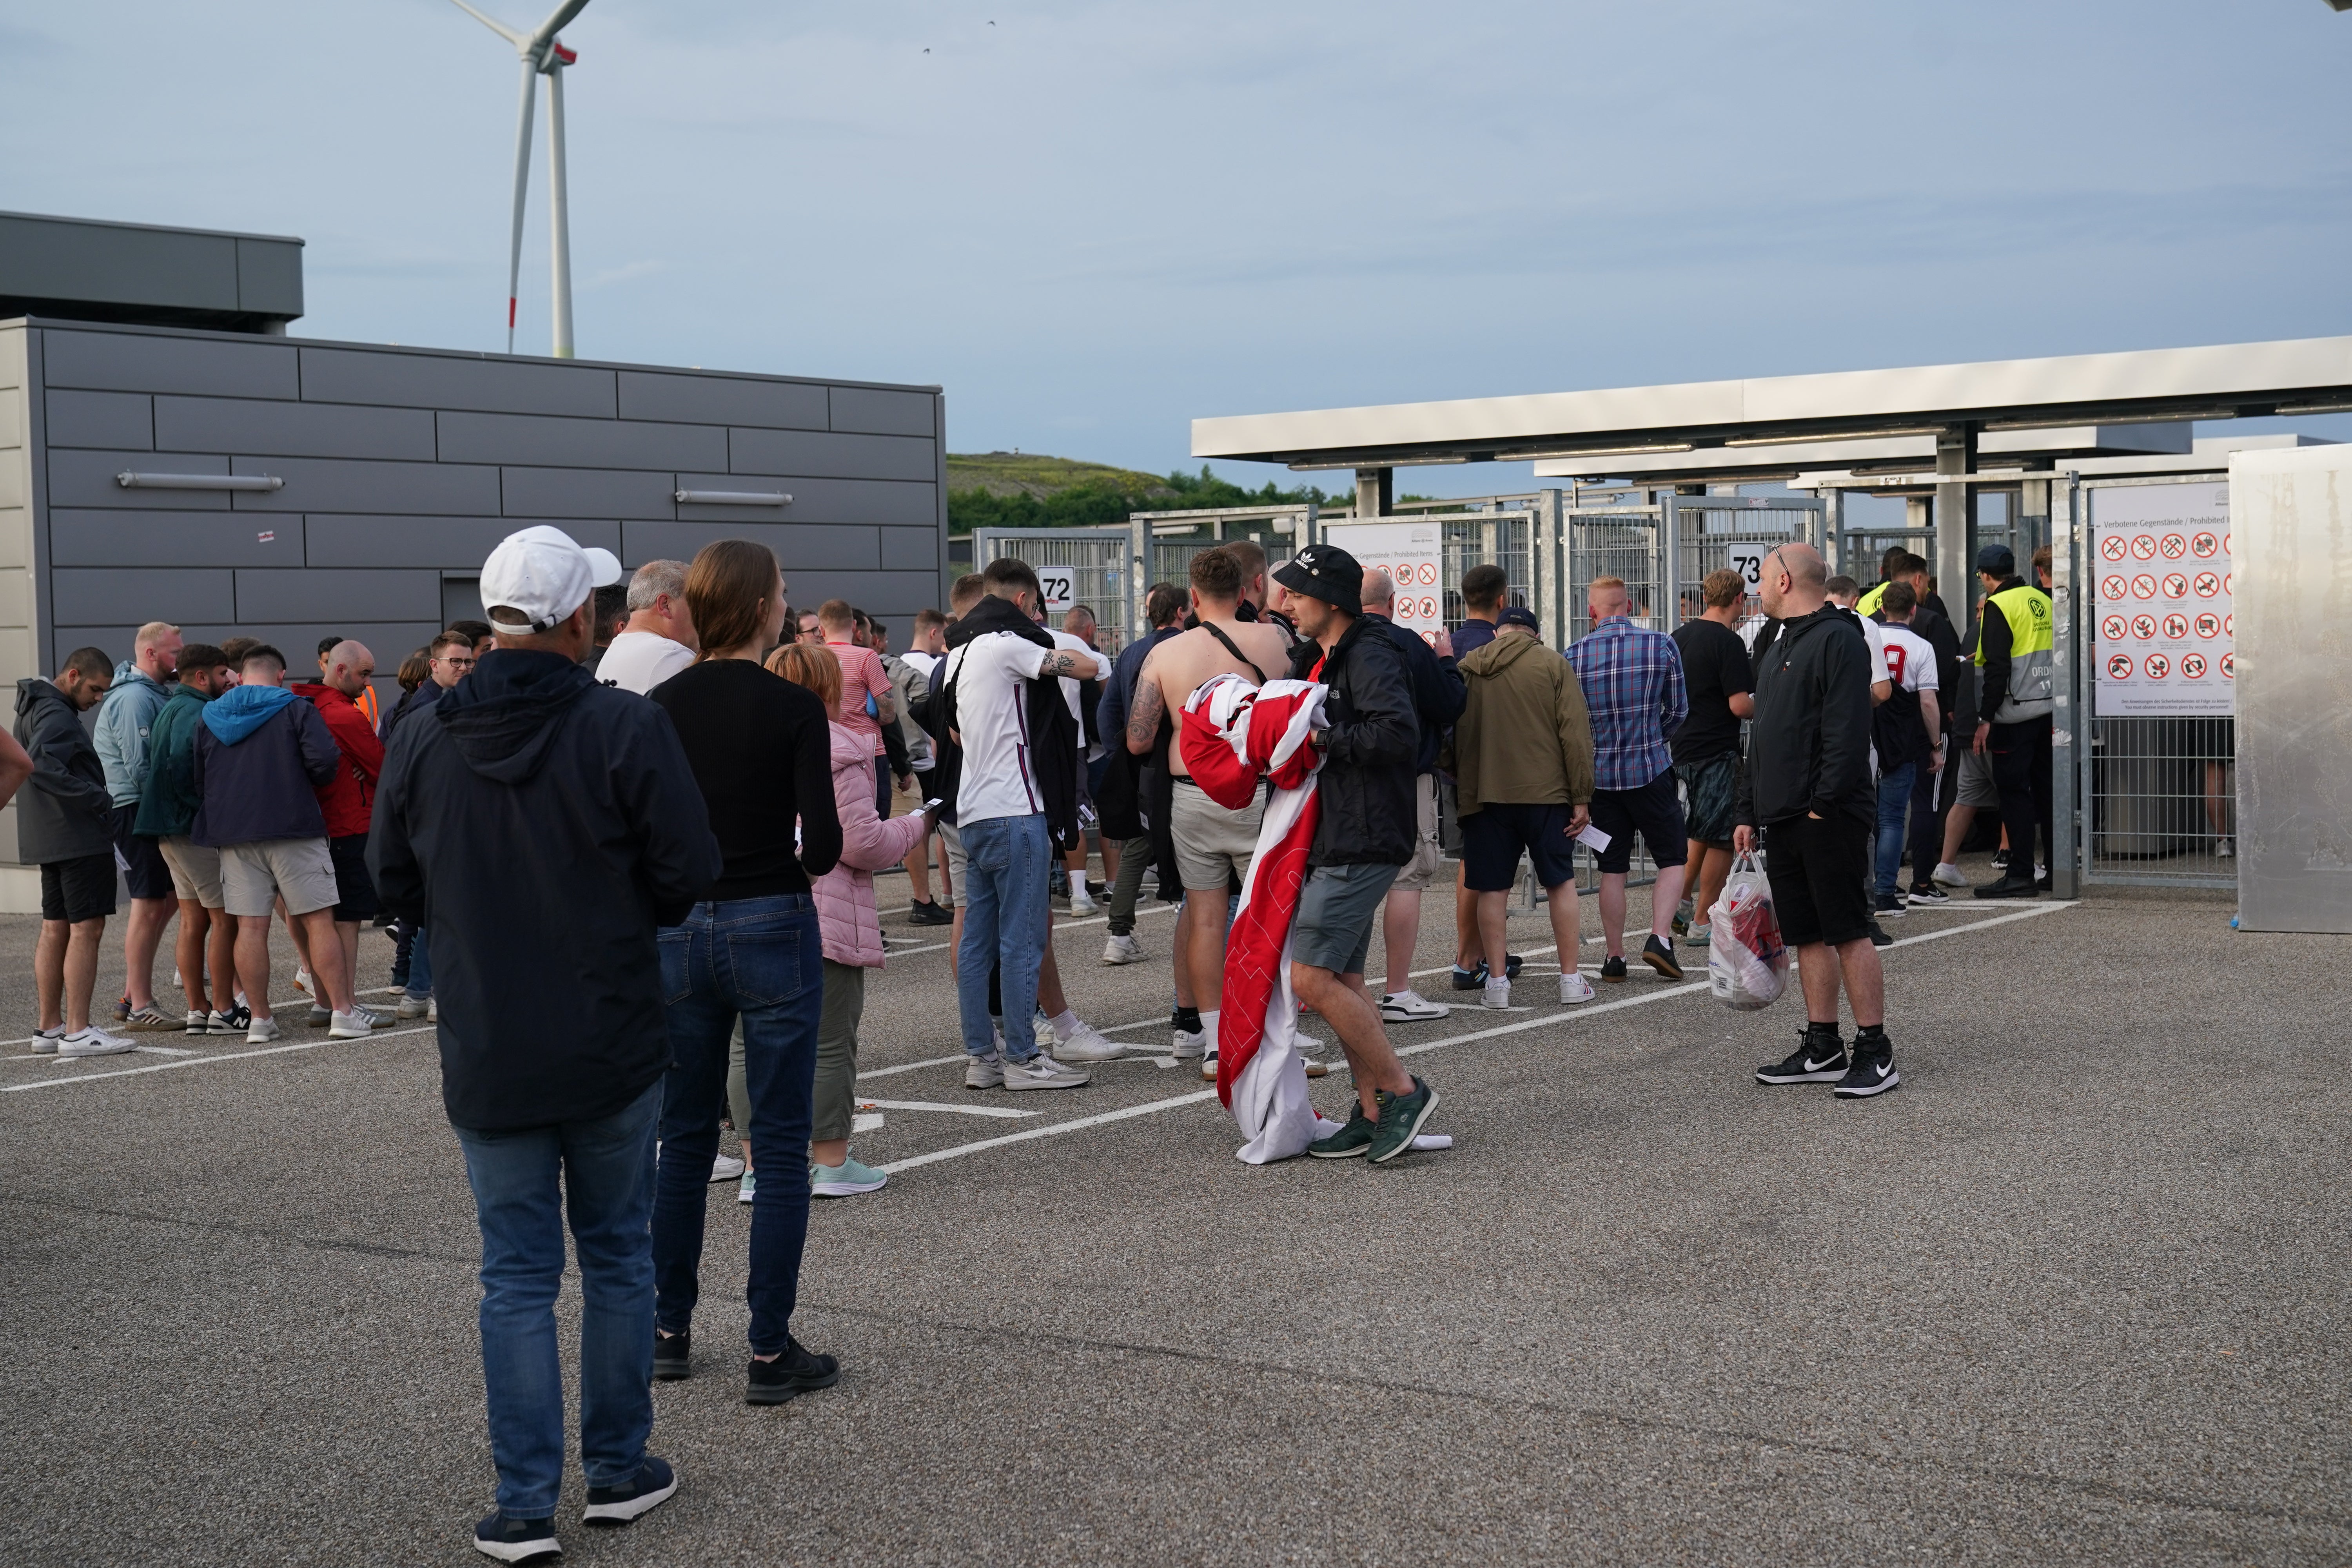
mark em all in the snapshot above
pixel 951 847
pixel 1817 866
pixel 355 899
pixel 77 890
pixel 1428 852
pixel 1336 911
pixel 1976 786
pixel 1212 844
pixel 144 872
pixel 1711 790
pixel 1493 837
pixel 1654 810
pixel 300 870
pixel 195 871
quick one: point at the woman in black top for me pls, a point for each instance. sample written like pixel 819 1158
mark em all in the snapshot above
pixel 761 750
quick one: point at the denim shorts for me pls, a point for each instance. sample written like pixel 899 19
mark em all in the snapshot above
pixel 1337 909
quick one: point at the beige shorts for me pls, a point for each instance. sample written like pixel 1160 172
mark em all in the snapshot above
pixel 951 843
pixel 1428 854
pixel 195 871
pixel 300 870
pixel 1211 843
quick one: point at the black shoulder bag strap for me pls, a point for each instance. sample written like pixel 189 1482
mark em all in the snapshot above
pixel 1210 627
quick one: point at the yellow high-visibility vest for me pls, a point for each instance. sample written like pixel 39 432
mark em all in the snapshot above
pixel 2032 663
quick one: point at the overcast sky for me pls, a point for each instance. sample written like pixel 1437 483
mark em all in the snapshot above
pixel 1091 222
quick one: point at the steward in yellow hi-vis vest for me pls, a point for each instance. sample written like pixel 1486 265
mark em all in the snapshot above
pixel 2019 679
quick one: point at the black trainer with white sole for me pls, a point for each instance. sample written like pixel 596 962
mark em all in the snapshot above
pixel 1820 1057
pixel 790 1375
pixel 1872 1073
pixel 654 1484
pixel 516 1540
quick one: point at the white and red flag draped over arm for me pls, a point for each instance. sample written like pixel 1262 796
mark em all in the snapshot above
pixel 1234 735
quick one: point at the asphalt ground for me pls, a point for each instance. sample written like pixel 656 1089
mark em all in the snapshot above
pixel 2074 1293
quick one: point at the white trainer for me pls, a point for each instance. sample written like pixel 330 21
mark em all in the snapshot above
pixel 1574 988
pixel 1410 1006
pixel 1497 995
pixel 2224 851
pixel 1949 876
pixel 984 1072
pixel 725 1168
pixel 44 1041
pixel 412 1006
pixel 1080 903
pixel 1122 950
pixel 261 1031
pixel 354 1026
pixel 303 983
pixel 1190 1044
pixel 92 1042
pixel 1086 1043
pixel 1209 1068
pixel 1041 1071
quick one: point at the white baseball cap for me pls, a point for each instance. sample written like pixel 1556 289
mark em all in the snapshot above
pixel 546 575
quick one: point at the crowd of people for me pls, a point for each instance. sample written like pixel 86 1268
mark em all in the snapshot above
pixel 667 801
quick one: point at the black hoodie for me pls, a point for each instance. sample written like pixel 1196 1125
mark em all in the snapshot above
pixel 541 826
pixel 64 811
pixel 1809 744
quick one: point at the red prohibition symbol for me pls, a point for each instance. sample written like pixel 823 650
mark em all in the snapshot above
pixel 2193 667
pixel 2208 625
pixel 2176 586
pixel 2204 547
pixel 1428 573
pixel 2118 587
pixel 2111 629
pixel 2207 584
pixel 2174 547
pixel 2175 627
pixel 2157 667
pixel 2144 627
pixel 2230 625
pixel 2229 666
pixel 2119 667
pixel 2112 547
pixel 2143 586
pixel 2144 546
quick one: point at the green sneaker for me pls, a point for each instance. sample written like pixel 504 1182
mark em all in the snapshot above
pixel 1401 1119
pixel 842 1180
pixel 1348 1141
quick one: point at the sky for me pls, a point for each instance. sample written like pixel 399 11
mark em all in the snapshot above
pixel 1091 222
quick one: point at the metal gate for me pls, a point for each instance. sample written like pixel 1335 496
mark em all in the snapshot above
pixel 1089 567
pixel 1167 541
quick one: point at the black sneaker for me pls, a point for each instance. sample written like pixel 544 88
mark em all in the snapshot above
pixel 1889 904
pixel 790 1375
pixel 1348 1142
pixel 2007 887
pixel 1612 968
pixel 516 1540
pixel 673 1356
pixel 928 914
pixel 1873 1072
pixel 1660 956
pixel 1401 1116
pixel 1878 937
pixel 1820 1057
pixel 1511 965
pixel 2001 860
pixel 236 1020
pixel 1470 979
pixel 1928 893
pixel 654 1485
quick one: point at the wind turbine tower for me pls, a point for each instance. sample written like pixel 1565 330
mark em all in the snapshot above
pixel 542 54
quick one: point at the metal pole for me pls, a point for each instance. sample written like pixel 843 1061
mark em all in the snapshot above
pixel 559 219
pixel 1669 614
pixel 2067 629
pixel 1956 454
pixel 1375 493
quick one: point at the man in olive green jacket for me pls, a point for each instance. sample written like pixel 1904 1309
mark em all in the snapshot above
pixel 1522 764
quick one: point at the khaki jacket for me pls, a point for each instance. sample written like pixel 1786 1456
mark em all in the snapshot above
pixel 1524 739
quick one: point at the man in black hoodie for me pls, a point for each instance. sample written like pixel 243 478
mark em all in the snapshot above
pixel 1807 784
pixel 64 826
pixel 542 827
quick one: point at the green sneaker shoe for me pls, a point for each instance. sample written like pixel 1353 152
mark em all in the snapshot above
pixel 1348 1141
pixel 846 1180
pixel 1401 1119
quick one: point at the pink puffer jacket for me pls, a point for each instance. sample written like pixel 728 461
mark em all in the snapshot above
pixel 850 931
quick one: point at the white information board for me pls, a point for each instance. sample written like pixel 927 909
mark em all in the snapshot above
pixel 1748 560
pixel 1409 552
pixel 2163 634
pixel 1061 588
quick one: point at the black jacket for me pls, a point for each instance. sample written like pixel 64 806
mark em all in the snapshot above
pixel 1808 746
pixel 265 782
pixel 64 811
pixel 1439 694
pixel 1372 740
pixel 541 826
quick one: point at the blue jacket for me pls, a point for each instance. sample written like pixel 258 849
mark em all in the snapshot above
pixel 124 716
pixel 261 754
pixel 1118 691
pixel 1438 692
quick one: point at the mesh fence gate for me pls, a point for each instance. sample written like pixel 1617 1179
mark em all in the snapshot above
pixel 1089 567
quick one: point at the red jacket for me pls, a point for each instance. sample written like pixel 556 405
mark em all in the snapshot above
pixel 350 799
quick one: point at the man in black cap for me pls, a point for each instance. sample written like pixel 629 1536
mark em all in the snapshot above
pixel 2016 694
pixel 1370 742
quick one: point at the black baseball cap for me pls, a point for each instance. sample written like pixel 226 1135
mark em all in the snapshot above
pixel 1519 616
pixel 1328 573
pixel 1997 560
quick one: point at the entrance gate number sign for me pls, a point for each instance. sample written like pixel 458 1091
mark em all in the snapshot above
pixel 2161 632
pixel 1061 586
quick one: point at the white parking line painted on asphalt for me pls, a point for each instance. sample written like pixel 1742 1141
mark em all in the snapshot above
pixel 1567 1015
pixel 1005 1111
pixel 1061 923
pixel 203 1061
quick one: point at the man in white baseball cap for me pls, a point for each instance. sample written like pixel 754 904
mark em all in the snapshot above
pixel 534 579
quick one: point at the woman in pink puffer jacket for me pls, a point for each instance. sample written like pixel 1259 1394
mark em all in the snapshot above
pixel 847 926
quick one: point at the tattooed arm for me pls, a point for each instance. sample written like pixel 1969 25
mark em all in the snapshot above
pixel 1144 714
pixel 1076 665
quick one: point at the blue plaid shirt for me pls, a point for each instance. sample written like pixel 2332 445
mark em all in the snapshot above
pixel 1633 682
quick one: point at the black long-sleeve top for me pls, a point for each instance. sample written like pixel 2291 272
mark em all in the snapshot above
pixel 760 748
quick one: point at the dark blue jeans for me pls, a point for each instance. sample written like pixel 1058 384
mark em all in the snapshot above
pixel 1894 802
pixel 758 958
pixel 523 1183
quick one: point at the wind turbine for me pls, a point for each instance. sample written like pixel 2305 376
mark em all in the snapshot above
pixel 542 54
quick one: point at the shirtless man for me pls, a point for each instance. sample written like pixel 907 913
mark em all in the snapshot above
pixel 1211 843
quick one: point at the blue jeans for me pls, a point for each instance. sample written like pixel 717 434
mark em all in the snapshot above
pixel 758 958
pixel 600 1173
pixel 1893 803
pixel 1004 905
pixel 420 966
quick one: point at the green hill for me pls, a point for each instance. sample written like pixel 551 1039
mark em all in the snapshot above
pixel 1022 490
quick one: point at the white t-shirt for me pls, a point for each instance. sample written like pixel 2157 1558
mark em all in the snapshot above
pixel 1910 660
pixel 1871 631
pixel 1072 643
pixel 928 663
pixel 639 661
pixel 992 676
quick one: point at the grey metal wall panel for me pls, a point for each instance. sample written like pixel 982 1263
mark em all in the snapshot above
pixel 886 501
pixel 353 484
pixel 461 600
pixel 80 478
pixel 798 547
pixel 122 264
pixel 521 438
pixel 823 455
pixel 293 429
pixel 298 640
pixel 88 596
pixel 172 539
pixel 443 543
pixel 722 400
pixel 119 419
pixel 911 550
pixel 877 412
pixel 587 493
pixel 436 381
pixel 338 595
pixel 270 277
pixel 133 361
pixel 884 593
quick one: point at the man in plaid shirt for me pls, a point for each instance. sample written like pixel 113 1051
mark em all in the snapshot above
pixel 1632 681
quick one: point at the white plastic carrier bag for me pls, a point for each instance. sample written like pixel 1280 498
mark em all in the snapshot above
pixel 1746 963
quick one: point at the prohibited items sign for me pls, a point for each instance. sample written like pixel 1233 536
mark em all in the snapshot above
pixel 2156 666
pixel 2229 666
pixel 2144 627
pixel 2173 547
pixel 2162 630
pixel 2176 586
pixel 2193 667
pixel 2175 627
pixel 2207 584
pixel 2143 546
pixel 2111 629
pixel 2144 586
pixel 2208 625
pixel 2204 546
pixel 2119 667
pixel 2115 547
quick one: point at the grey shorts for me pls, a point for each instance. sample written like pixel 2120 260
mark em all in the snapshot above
pixel 255 876
pixel 952 845
pixel 1211 843
pixel 1976 786
pixel 1336 911
pixel 1428 853
pixel 195 871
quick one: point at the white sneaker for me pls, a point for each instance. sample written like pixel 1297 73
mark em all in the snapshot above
pixel 352 1025
pixel 1410 1006
pixel 1949 876
pixel 1497 995
pixel 1122 950
pixel 1700 936
pixel 412 1006
pixel 1086 1043
pixel 2224 851
pixel 1080 903
pixel 1189 1043
pixel 303 983
pixel 726 1168
pixel 197 1022
pixel 44 1041
pixel 984 1072
pixel 261 1031
pixel 93 1042
pixel 1209 1068
pixel 1574 988
pixel 1041 1071
pixel 1316 1065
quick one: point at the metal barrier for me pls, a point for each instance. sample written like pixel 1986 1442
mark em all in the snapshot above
pixel 1089 567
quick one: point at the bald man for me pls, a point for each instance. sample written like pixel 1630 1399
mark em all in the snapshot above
pixel 348 801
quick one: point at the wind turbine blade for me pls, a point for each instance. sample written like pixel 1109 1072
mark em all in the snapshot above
pixel 554 23
pixel 521 187
pixel 500 29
